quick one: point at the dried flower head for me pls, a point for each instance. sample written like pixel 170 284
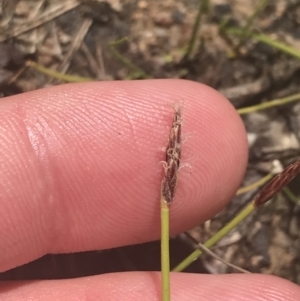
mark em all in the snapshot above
pixel 173 153
pixel 277 183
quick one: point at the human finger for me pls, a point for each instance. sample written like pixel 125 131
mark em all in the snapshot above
pixel 80 164
pixel 146 286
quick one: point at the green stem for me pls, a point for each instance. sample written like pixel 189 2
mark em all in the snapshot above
pixel 165 251
pixel 214 239
pixel 266 40
pixel 269 104
pixel 278 45
pixel 291 195
pixel 139 73
pixel 261 5
pixel 202 8
pixel 58 75
pixel 255 185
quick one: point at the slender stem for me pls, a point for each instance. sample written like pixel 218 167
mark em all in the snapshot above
pixel 214 239
pixel 58 75
pixel 261 5
pixel 202 8
pixel 269 104
pixel 219 235
pixel 244 32
pixel 291 195
pixel 276 44
pixel 165 254
pixel 255 185
pixel 266 40
pixel 167 194
pixel 212 254
pixel 138 71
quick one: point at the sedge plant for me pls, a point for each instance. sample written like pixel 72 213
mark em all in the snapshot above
pixel 169 181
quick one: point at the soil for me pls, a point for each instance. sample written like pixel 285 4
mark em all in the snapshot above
pixel 75 37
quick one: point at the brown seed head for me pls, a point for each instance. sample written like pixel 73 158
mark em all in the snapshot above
pixel 277 183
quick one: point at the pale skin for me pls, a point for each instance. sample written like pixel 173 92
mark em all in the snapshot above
pixel 80 171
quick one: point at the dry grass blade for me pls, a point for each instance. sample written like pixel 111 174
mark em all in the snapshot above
pixel 75 45
pixel 277 183
pixel 44 17
pixel 203 248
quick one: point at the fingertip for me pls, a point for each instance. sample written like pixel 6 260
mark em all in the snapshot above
pixel 81 164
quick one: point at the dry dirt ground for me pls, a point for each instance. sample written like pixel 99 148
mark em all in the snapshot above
pixel 74 37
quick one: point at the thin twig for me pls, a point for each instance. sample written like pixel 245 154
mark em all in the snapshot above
pixel 75 45
pixel 203 248
pixel 215 238
pixel 100 60
pixel 93 64
pixel 45 17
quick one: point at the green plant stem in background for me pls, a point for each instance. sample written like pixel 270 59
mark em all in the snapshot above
pixel 266 40
pixel 138 72
pixel 59 75
pixel 291 195
pixel 215 238
pixel 255 185
pixel 202 9
pixel 165 252
pixel 276 44
pixel 78 79
pixel 259 8
pixel 269 104
pixel 244 31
